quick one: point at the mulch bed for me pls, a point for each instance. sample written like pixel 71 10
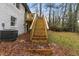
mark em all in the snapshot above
pixel 22 44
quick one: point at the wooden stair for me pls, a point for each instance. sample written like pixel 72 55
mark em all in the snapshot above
pixel 39 38
pixel 39 34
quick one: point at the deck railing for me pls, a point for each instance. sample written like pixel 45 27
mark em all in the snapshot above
pixel 33 26
pixel 33 21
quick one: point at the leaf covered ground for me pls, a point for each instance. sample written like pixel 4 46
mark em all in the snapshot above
pixel 61 43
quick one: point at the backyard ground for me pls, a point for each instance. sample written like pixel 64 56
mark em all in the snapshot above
pixel 67 41
pixel 16 48
pixel 62 43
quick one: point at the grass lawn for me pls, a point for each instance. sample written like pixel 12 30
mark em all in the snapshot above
pixel 66 40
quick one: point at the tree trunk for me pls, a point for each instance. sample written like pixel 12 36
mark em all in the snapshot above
pixel 75 18
pixel 40 9
pixel 50 15
pixel 64 16
pixel 53 17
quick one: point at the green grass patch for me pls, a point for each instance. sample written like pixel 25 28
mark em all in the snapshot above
pixel 65 39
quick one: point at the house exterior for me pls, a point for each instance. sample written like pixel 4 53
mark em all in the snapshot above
pixel 12 16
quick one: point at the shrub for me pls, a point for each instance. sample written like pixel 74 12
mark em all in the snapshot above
pixel 55 28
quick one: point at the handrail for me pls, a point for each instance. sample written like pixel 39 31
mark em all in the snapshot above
pixel 46 23
pixel 33 21
pixel 33 26
pixel 45 27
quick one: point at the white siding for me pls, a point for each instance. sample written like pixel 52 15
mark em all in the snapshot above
pixel 8 10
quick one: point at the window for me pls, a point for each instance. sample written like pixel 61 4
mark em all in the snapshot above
pixel 13 20
pixel 17 5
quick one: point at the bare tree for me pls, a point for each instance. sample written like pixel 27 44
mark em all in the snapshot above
pixel 64 14
pixel 75 18
pixel 50 6
pixel 40 7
